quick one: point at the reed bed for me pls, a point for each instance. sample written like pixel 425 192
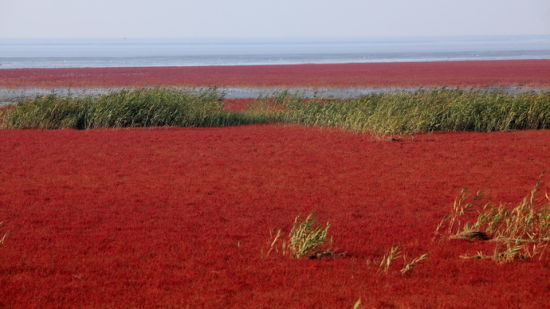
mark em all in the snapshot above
pixel 414 112
pixel 380 114
pixel 127 108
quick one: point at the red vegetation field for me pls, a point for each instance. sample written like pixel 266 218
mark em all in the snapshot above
pixel 412 74
pixel 236 104
pixel 180 217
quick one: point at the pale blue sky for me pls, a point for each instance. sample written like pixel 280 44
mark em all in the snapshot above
pixel 282 19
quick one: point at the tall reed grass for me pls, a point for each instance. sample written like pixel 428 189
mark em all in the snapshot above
pixel 3 112
pixel 381 114
pixel 128 108
pixel 414 112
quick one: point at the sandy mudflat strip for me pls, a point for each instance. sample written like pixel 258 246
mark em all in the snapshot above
pixel 533 73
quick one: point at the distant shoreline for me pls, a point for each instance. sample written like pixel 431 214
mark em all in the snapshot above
pixel 81 53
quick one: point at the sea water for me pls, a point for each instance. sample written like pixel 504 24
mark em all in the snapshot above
pixel 74 53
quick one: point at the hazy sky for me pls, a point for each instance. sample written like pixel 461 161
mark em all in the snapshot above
pixel 273 19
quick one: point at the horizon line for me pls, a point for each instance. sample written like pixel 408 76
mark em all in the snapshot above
pixel 290 39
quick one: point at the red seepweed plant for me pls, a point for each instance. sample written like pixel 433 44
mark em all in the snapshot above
pixel 176 217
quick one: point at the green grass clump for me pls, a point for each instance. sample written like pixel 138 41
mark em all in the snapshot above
pixel 306 236
pixel 415 112
pixel 306 239
pixel 127 108
pixel 47 112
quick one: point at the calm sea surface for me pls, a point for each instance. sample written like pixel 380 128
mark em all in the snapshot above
pixel 156 52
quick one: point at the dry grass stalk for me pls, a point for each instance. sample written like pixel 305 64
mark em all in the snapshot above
pixel 477 256
pixel 3 239
pixel 388 258
pixel 408 267
pixel 272 246
pixel 510 252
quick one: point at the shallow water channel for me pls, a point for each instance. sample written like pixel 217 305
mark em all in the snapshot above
pixel 13 95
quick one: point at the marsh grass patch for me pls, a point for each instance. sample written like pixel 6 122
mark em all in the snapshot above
pixel 395 114
pixel 155 107
pixel 520 232
pixel 389 116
